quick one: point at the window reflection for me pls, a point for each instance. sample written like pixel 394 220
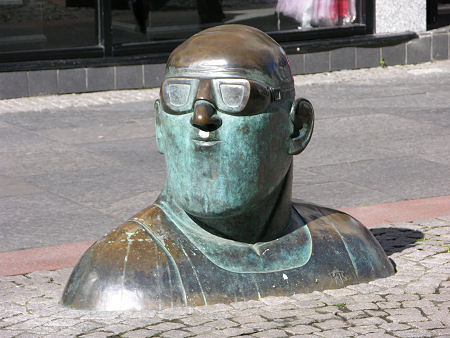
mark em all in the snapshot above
pixel 46 24
pixel 153 20
pixel 319 13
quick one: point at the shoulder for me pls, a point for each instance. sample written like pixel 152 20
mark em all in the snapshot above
pixel 366 254
pixel 129 240
pixel 128 262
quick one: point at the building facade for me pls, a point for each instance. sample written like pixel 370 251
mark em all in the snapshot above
pixel 72 46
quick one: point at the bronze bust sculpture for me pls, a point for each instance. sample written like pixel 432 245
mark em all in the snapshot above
pixel 224 228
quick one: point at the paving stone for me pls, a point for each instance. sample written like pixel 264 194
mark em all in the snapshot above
pixel 322 317
pixel 247 305
pixel 271 333
pixel 202 329
pixel 214 308
pixel 62 322
pixel 331 324
pixel 335 333
pixel 428 325
pixel 263 325
pixel 367 298
pixel 388 305
pixel 340 292
pixel 116 328
pixel 403 297
pixel 402 311
pixel 442 316
pixel 301 329
pixel 395 326
pixel 367 321
pixel 26 335
pixel 379 334
pixel 302 321
pixel 221 324
pixel 249 319
pixel 197 320
pixel 413 333
pixel 375 313
pixel 139 333
pixel 97 335
pixel 28 324
pixel 140 322
pixel 236 331
pixel 429 310
pixel 364 329
pixel 45 330
pixel 211 334
pixel 280 314
pixel 353 315
pixel 175 313
pixel 364 289
pixel 176 333
pixel 441 332
pixel 406 318
pixel 282 306
pixel 308 303
pixel 329 309
pixel 417 303
pixel 276 301
pixel 362 306
pixel 166 326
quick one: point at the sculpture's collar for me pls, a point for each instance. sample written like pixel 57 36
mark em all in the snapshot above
pixel 287 252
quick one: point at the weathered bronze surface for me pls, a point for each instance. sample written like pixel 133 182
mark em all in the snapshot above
pixel 224 228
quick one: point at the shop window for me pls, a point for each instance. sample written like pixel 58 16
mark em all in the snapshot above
pixel 157 20
pixel 47 24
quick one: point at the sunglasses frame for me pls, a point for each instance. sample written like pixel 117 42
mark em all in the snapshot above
pixel 256 98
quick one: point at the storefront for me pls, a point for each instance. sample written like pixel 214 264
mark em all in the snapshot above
pixel 70 46
pixel 58 29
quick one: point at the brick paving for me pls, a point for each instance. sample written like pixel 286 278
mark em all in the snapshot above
pixel 412 303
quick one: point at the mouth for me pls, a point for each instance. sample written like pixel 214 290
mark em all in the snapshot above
pixel 205 138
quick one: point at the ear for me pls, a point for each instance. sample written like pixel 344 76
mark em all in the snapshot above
pixel 302 117
pixel 159 138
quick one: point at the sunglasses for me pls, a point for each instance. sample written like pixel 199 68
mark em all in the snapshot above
pixel 231 96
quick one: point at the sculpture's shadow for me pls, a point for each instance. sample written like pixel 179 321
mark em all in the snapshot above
pixel 396 239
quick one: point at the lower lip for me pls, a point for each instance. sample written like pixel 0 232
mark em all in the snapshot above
pixel 204 143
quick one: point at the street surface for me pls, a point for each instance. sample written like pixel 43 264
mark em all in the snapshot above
pixel 74 167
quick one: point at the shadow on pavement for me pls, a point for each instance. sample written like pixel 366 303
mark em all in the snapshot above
pixel 396 239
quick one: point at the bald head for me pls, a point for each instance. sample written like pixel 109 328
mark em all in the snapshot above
pixel 231 50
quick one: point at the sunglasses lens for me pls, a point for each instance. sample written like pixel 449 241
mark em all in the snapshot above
pixel 232 94
pixel 178 94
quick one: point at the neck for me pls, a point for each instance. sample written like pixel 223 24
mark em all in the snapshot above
pixel 263 222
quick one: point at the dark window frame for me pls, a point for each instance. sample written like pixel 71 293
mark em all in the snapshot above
pixel 106 53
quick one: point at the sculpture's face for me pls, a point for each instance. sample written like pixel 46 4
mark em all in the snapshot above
pixel 223 120
pixel 226 142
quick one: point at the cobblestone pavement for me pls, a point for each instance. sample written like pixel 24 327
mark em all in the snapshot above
pixel 412 303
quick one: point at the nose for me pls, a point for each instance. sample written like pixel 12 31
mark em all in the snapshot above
pixel 205 117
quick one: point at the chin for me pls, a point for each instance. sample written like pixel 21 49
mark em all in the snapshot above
pixel 214 205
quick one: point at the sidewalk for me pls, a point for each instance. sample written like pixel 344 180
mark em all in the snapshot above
pixel 412 303
pixel 73 167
